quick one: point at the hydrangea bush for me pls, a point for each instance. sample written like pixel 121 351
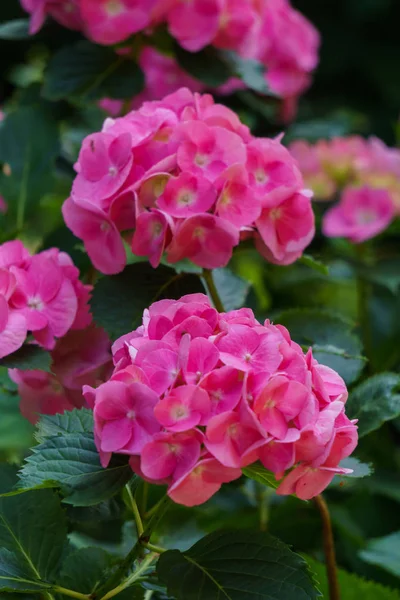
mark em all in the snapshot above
pixel 194 381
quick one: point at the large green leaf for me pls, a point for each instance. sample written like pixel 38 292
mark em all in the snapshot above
pixel 71 421
pixel 118 302
pixel 236 566
pixel 29 145
pixel 331 337
pixel 352 587
pixel 71 462
pixel 28 357
pixel 88 71
pixel 33 527
pixel 83 569
pixel 375 401
pixel 384 552
pixel 14 578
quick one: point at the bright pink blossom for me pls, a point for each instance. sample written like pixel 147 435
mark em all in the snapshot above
pixel 361 214
pixel 183 176
pixel 195 396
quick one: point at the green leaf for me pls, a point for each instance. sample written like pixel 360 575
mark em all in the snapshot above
pixel 314 264
pixel 250 71
pixel 28 357
pixel 236 565
pixel 374 402
pixel 16 433
pixel 352 587
pixel 14 578
pixel 8 477
pixel 331 337
pixel 360 469
pixel 15 30
pixel 29 145
pixel 118 301
pixel 386 273
pixel 91 72
pixel 71 462
pixel 384 552
pixel 259 473
pixel 207 65
pixel 83 569
pixel 71 421
pixel 232 289
pixel 33 527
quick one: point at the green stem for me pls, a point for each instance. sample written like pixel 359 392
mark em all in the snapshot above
pixel 154 548
pixel 130 558
pixel 134 577
pixel 145 496
pixel 66 592
pixel 208 278
pixel 136 513
pixel 329 548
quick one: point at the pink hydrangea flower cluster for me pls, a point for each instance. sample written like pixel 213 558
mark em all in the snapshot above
pixel 40 294
pixel 366 174
pixel 188 178
pixel 80 358
pixel 270 31
pixel 197 395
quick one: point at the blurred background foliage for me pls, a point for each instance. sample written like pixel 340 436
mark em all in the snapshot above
pixel 356 90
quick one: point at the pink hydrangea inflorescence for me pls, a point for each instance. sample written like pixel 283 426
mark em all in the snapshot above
pixel 270 31
pixel 80 358
pixel 198 395
pixel 366 175
pixel 184 176
pixel 40 294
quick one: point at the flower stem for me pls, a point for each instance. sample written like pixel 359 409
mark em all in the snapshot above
pixel 208 278
pixel 134 577
pixel 60 590
pixel 136 513
pixel 329 548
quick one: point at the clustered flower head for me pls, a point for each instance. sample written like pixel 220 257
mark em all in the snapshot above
pixel 197 395
pixel 270 31
pixel 367 175
pixel 80 358
pixel 40 294
pixel 188 178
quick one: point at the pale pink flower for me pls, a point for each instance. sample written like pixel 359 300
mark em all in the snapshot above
pixel 361 214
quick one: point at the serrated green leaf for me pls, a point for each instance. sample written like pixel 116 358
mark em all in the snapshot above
pixel 374 402
pixel 352 587
pixel 71 462
pixel 83 569
pixel 232 289
pixel 33 527
pixel 335 343
pixel 118 301
pixel 28 358
pixel 90 72
pixel 360 469
pixel 18 29
pixel 259 473
pixel 384 552
pixel 207 65
pixel 14 578
pixel 71 421
pixel 236 565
